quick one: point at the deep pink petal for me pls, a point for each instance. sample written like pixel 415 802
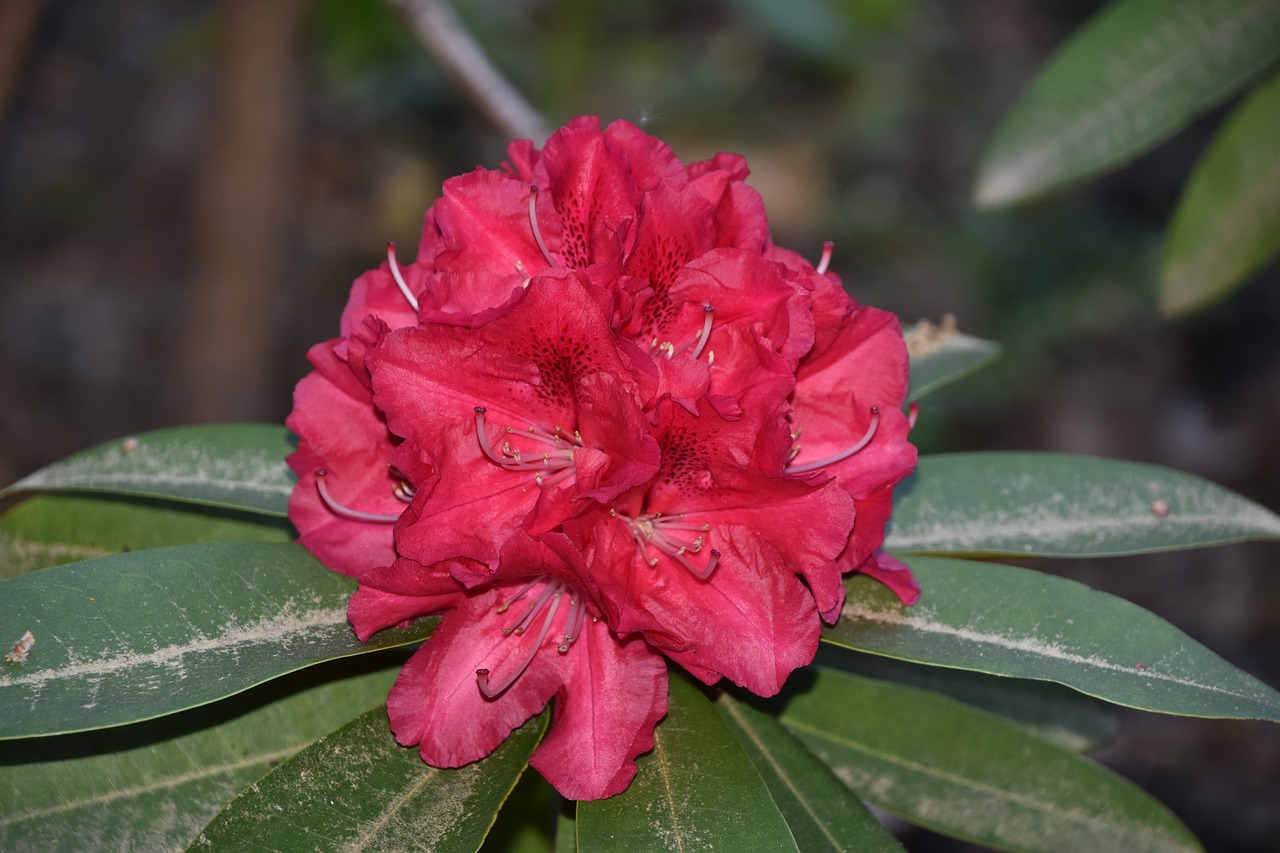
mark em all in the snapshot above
pixel 405 590
pixel 894 574
pixel 615 693
pixel 593 193
pixel 436 701
pixel 342 433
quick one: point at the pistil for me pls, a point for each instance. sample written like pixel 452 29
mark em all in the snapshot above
pixel 828 248
pixel 548 599
pixel 668 349
pixel 395 273
pixel 345 511
pixel 533 223
pixel 842 455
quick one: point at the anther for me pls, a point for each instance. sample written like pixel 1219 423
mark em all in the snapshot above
pixel 828 248
pixel 395 273
pixel 533 223
pixel 844 454
pixel 345 511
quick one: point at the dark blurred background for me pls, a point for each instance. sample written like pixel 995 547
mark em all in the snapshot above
pixel 188 187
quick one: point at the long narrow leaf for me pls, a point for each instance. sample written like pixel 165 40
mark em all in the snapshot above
pixel 1227 224
pixel 1009 621
pixel 134 636
pixel 1054 505
pixel 357 789
pixel 697 788
pixel 239 466
pixel 823 814
pixel 1048 710
pixel 966 773
pixel 153 785
pixel 1128 79
pixel 49 530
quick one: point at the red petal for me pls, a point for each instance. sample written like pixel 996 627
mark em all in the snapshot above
pixel 404 590
pixel 615 693
pixel 436 702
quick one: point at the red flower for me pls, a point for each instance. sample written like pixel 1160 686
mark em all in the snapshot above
pixel 600 420
pixel 502 652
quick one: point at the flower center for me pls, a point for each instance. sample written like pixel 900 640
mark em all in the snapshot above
pixel 836 457
pixel 401 490
pixel 549 599
pixel 551 463
pixel 668 349
pixel 668 534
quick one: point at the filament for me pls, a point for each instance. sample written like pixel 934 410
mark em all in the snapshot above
pixel 482 675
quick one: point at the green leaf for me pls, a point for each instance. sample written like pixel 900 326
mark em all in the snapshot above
pixel 152 786
pixel 527 821
pixel 49 530
pixel 1227 224
pixel 695 789
pixel 240 466
pixel 566 833
pixel 1009 621
pixel 1050 711
pixel 1128 79
pixel 1053 505
pixel 357 789
pixel 133 636
pixel 823 814
pixel 941 355
pixel 965 773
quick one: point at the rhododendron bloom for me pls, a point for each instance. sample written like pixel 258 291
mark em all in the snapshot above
pixel 600 420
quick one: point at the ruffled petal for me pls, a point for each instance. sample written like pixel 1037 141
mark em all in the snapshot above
pixel 615 693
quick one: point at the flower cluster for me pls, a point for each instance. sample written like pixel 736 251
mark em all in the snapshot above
pixel 600 420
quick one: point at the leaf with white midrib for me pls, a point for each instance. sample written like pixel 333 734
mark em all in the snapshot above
pixel 807 793
pixel 236 466
pixel 1061 505
pixel 357 789
pixel 138 635
pixel 1009 621
pixel 967 774
pixel 153 785
pixel 696 788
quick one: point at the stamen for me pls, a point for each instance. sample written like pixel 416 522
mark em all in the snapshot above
pixel 502 608
pixel 549 468
pixel 533 223
pixel 844 454
pixel 482 675
pixel 573 623
pixel 657 531
pixel 708 315
pixel 913 412
pixel 395 273
pixel 828 248
pixel 344 511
